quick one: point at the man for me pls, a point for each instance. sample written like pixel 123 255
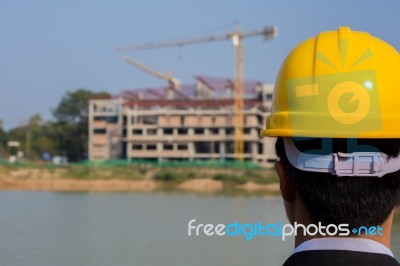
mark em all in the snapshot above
pixel 336 116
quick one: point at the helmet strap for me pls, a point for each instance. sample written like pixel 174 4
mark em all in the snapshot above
pixel 366 164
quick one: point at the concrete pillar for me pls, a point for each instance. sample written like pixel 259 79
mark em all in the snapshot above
pixel 222 150
pixel 90 137
pixel 159 147
pixel 191 150
pixel 254 151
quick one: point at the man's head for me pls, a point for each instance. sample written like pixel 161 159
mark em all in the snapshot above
pixel 336 114
pixel 330 199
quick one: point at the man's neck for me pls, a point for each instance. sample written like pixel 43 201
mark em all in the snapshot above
pixel 302 217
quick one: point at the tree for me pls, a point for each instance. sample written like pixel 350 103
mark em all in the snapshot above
pixel 3 140
pixel 29 134
pixel 73 107
pixel 71 128
pixel 35 122
pixel 39 138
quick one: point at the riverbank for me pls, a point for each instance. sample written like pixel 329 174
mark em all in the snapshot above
pixel 197 185
pixel 138 178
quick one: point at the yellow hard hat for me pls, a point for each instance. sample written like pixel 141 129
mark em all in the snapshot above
pixel 339 84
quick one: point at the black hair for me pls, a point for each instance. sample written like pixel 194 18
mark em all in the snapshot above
pixel 357 201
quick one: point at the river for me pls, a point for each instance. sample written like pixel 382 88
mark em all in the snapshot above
pixel 96 229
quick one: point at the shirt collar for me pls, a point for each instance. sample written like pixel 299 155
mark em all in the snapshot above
pixel 342 243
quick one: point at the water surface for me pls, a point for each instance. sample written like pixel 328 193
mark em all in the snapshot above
pixel 95 229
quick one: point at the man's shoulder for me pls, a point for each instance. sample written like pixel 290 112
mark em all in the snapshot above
pixel 340 257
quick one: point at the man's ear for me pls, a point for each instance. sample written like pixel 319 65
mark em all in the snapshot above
pixel 286 183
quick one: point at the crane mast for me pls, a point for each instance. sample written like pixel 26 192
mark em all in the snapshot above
pixel 237 37
pixel 238 107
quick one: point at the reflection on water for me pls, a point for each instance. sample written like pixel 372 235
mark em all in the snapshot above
pixel 46 228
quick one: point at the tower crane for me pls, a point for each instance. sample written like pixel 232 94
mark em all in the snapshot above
pixel 173 82
pixel 236 37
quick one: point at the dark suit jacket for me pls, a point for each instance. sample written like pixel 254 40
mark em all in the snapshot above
pixel 339 257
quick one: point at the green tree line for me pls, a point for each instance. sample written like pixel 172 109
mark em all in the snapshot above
pixel 65 135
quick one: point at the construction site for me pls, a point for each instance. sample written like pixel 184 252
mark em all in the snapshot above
pixel 211 119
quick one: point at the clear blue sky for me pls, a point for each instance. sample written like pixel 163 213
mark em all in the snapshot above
pixel 48 47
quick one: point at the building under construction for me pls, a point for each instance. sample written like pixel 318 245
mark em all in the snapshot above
pixel 189 122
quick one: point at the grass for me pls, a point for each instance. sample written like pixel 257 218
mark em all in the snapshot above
pixel 176 175
pixel 172 174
